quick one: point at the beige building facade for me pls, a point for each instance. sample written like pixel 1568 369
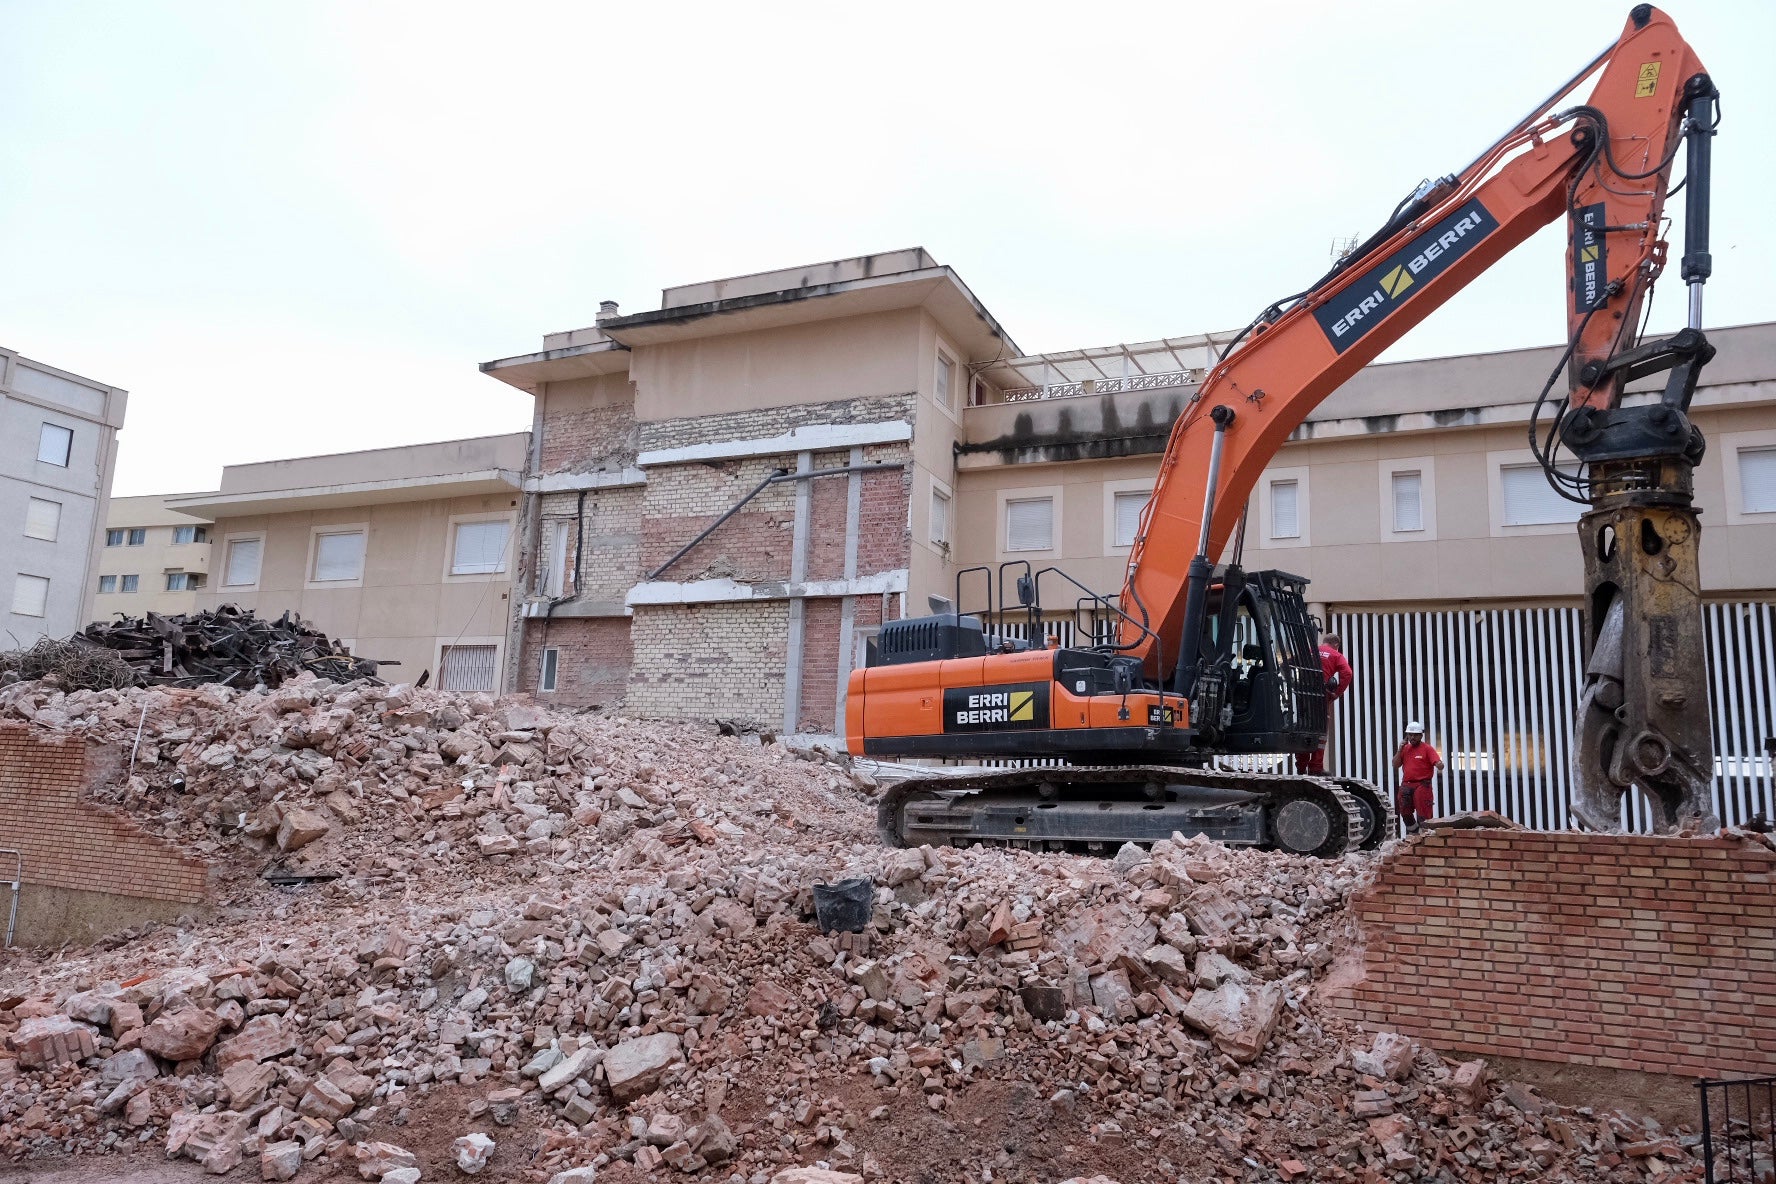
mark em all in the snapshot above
pixel 405 553
pixel 58 451
pixel 153 558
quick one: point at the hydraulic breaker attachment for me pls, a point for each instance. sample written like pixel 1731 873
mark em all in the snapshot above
pixel 1643 709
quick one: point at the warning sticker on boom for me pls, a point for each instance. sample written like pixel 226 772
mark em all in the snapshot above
pixel 993 709
pixel 1373 296
pixel 1648 82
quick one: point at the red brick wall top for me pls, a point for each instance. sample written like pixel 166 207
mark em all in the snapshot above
pixel 1625 952
pixel 71 843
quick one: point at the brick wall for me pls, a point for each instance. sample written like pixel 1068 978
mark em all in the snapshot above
pixel 683 500
pixel 592 666
pixel 823 654
pixel 710 661
pixel 611 539
pixel 582 439
pixel 73 844
pixel 1631 952
pixel 765 422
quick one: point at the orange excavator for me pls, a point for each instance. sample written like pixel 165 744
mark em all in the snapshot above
pixel 1198 658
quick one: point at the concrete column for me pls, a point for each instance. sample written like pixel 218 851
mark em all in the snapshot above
pixel 848 605
pixel 798 571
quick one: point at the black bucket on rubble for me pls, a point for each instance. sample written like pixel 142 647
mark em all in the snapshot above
pixel 844 907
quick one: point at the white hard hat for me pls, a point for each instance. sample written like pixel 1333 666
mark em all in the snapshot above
pixel 1415 726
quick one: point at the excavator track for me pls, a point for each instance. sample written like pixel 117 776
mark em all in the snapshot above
pixel 1098 808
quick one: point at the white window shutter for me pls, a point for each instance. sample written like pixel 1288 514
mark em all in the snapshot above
pixel 1408 501
pixel 30 595
pixel 940 517
pixel 43 519
pixel 1531 501
pixel 1757 480
pixel 339 556
pixel 946 380
pixel 1128 517
pixel 243 562
pixel 1285 509
pixel 1029 524
pixel 55 445
pixel 480 548
pixel 467 668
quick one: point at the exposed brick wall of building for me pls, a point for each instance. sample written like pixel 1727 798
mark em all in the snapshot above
pixel 592 666
pixel 1623 952
pixel 710 661
pixel 586 438
pixel 883 542
pixel 683 500
pixel 820 663
pixel 611 539
pixel 766 422
pixel 73 844
pixel 828 498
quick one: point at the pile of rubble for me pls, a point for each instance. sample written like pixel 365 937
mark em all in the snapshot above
pixel 557 946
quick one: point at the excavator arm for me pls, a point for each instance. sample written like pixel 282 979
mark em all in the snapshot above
pixel 1605 165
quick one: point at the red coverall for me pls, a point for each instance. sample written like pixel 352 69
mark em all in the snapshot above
pixel 1337 669
pixel 1413 800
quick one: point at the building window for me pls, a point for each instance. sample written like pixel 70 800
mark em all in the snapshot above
pixel 945 385
pixel 552 565
pixel 1285 509
pixel 190 534
pixel 1408 492
pixel 1029 524
pixel 107 585
pixel 940 516
pixel 128 583
pixel 338 556
pixel 1757 480
pixel 184 581
pixel 466 667
pixel 551 663
pixel 1127 521
pixel 114 538
pixel 43 519
pixel 55 444
pixel 138 535
pixel 242 567
pixel 479 549
pixel 1530 501
pixel 30 595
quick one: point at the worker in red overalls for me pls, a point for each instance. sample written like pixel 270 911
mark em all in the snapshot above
pixel 1417 762
pixel 1337 670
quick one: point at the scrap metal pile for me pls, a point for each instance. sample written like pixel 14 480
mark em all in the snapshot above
pixel 227 645
pixel 562 946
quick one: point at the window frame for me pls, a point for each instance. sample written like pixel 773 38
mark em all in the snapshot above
pixel 943 351
pixel 18 583
pixel 43 432
pixel 1112 491
pixel 1496 463
pixel 1426 468
pixel 439 645
pixel 55 529
pixel 104 591
pixel 125 587
pixel 1035 493
pixel 183 576
pixel 1303 480
pixel 136 536
pixel 1731 445
pixel 315 533
pixel 549 670
pixel 198 535
pixel 119 532
pixel 941 491
pixel 228 542
pixel 451 575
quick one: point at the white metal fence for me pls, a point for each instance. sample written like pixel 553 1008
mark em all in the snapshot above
pixel 1496 690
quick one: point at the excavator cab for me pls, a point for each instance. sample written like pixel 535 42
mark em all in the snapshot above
pixel 1260 687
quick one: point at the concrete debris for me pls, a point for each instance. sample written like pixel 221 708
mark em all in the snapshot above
pixel 601 935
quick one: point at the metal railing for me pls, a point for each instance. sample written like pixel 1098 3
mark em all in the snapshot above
pixel 1101 386
pixel 1738 1129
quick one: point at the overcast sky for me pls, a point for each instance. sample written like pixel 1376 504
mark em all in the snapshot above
pixel 291 228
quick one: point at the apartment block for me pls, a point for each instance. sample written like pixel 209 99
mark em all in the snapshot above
pixel 154 558
pixel 405 553
pixel 720 505
pixel 58 450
